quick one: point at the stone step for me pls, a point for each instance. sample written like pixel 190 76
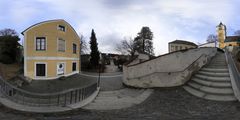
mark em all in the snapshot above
pixel 209 96
pixel 211 90
pixel 217 79
pixel 218 60
pixel 220 97
pixel 217 63
pixel 218 70
pixel 214 74
pixel 217 67
pixel 194 91
pixel 212 84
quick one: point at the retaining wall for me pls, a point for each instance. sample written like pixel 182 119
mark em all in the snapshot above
pixel 168 70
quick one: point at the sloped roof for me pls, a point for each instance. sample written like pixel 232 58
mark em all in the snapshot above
pixel 232 39
pixel 183 42
pixel 47 22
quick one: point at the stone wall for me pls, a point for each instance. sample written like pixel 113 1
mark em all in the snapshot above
pixel 167 70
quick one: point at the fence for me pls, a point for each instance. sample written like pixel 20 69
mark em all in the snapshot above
pixel 235 75
pixel 62 98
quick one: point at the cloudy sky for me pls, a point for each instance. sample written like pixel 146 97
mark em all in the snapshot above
pixel 112 20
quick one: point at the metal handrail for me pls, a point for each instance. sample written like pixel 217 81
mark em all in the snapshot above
pixel 233 67
pixel 172 71
pixel 61 98
pixel 44 94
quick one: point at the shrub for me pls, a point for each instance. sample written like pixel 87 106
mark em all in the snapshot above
pixel 6 59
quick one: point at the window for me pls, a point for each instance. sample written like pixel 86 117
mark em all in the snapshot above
pixel 74 48
pixel 180 47
pixel 176 47
pixel 186 48
pixel 40 43
pixel 61 45
pixel 60 68
pixel 74 66
pixel 61 27
pixel 172 48
pixel 40 70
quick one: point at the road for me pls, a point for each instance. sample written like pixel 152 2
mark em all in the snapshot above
pixel 108 82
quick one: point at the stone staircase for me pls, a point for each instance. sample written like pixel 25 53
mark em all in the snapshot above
pixel 212 82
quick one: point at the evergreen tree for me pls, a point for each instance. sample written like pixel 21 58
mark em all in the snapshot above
pixel 94 50
pixel 143 41
pixel 8 45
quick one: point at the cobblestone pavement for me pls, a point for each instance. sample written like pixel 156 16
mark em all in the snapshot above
pixel 163 104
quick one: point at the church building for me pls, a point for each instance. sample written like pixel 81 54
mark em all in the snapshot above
pixel 225 40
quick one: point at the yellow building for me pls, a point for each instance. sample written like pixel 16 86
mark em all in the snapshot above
pixel 225 40
pixel 51 50
pixel 180 45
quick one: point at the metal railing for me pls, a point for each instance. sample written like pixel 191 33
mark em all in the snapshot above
pixel 62 98
pixel 234 71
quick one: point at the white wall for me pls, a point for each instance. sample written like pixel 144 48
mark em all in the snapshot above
pixel 150 73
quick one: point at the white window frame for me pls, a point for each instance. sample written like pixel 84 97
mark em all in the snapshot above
pixel 35 70
pixel 35 43
pixel 65 68
pixel 58 45
pixel 58 28
pixel 76 66
pixel 76 48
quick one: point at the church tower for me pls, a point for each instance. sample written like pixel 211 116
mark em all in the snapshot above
pixel 221 34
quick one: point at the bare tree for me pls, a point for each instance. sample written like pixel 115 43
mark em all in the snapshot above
pixel 237 33
pixel 211 38
pixel 8 32
pixel 126 46
pixel 83 45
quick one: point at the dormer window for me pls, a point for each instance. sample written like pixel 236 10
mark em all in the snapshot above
pixel 61 27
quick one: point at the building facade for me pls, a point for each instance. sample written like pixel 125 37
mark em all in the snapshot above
pixel 180 45
pixel 225 40
pixel 51 50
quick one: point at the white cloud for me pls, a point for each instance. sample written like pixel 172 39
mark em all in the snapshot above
pixel 113 20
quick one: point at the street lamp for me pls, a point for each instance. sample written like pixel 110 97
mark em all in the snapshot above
pixel 99 71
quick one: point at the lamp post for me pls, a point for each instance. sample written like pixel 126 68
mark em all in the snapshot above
pixel 99 72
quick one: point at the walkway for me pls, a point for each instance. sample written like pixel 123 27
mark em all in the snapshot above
pixel 118 99
pixel 111 68
pixel 163 104
pixel 113 95
pixel 108 81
